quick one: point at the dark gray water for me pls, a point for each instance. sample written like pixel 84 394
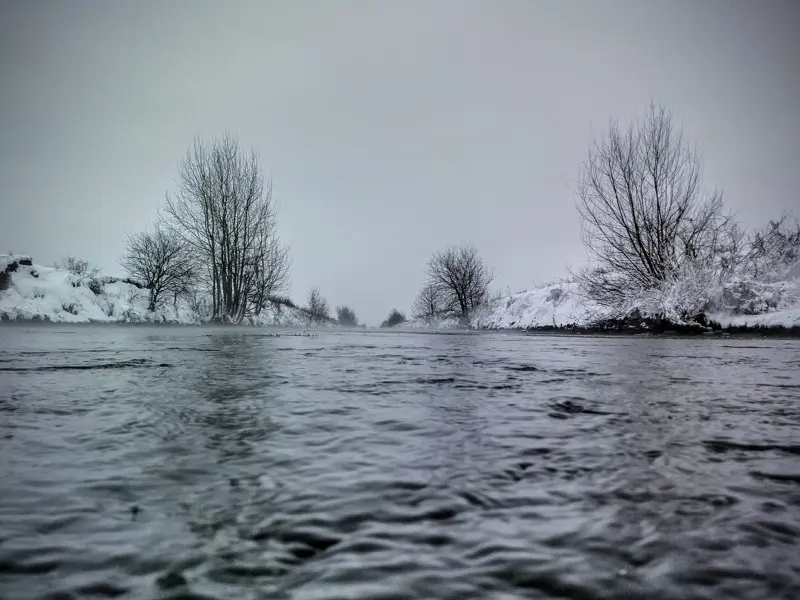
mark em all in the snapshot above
pixel 142 462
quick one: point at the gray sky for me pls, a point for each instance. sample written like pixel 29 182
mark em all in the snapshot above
pixel 390 128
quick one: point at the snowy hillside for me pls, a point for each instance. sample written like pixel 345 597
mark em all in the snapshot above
pixel 29 291
pixel 553 305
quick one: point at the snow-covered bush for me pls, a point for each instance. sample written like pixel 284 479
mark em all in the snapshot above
pixel 681 298
pixel 96 286
pixel 78 267
pixel 748 297
pixel 773 251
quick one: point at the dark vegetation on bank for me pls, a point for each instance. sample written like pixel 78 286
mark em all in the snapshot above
pixel 664 327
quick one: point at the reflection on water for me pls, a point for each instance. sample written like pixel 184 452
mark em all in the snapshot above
pixel 224 463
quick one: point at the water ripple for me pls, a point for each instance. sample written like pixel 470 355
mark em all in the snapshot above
pixel 188 463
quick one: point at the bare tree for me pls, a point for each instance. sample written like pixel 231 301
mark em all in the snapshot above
pixel 317 307
pixel 459 280
pixel 223 209
pixel 642 208
pixel 427 305
pixel 346 316
pixel 161 261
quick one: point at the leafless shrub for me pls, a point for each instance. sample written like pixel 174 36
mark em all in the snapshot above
pixel 270 269
pixel 162 262
pixel 346 316
pixel 223 209
pixel 643 212
pixel 78 266
pixel 497 296
pixel 395 318
pixel 427 305
pixel 198 303
pixel 317 307
pixel 773 249
pixel 458 281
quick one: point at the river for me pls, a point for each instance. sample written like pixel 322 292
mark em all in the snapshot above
pixel 179 462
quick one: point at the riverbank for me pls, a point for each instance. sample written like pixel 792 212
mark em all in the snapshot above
pixel 31 292
pixel 562 308
pixel 669 331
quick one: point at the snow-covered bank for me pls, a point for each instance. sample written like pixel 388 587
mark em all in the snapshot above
pixel 35 292
pixel 683 302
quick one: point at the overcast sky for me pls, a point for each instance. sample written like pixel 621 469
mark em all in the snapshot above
pixel 390 128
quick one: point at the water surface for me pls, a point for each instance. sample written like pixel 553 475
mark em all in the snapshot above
pixel 141 462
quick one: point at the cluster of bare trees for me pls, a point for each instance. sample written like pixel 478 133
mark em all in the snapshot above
pixel 646 217
pixel 218 233
pixel 457 285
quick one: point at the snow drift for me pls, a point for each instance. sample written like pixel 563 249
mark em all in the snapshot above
pixel 35 292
